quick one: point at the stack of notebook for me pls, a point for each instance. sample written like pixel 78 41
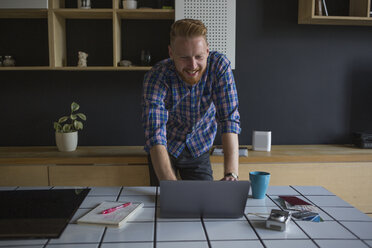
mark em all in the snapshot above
pixel 302 210
pixel 111 214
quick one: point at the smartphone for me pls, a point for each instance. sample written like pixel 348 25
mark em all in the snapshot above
pixel 304 215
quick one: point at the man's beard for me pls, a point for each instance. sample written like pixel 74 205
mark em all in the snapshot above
pixel 192 80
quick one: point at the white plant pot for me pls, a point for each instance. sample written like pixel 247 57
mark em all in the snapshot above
pixel 67 142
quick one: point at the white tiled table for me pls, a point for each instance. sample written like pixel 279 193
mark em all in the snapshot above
pixel 344 226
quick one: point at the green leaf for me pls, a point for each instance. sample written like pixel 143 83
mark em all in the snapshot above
pixel 78 125
pixel 74 106
pixel 63 119
pixel 81 125
pixel 66 128
pixel 57 126
pixel 73 117
pixel 82 116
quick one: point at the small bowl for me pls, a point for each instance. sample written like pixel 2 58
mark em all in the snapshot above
pixel 125 63
pixel 129 4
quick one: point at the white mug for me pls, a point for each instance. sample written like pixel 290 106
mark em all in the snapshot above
pixel 130 4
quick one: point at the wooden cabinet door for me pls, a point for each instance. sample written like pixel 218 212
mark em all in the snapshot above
pixel 99 175
pixel 24 175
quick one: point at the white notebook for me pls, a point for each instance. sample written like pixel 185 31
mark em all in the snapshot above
pixel 114 219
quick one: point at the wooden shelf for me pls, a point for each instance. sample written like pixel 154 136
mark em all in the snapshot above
pixel 342 20
pixel 75 68
pixel 84 13
pixel 159 14
pixel 57 15
pixel 102 68
pixel 24 68
pixel 23 13
pixel 359 14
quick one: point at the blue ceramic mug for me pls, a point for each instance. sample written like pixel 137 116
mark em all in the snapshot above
pixel 259 183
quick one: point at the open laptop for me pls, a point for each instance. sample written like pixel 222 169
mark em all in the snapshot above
pixel 208 199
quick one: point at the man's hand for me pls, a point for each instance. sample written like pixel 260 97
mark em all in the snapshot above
pixel 229 178
pixel 161 163
pixel 230 145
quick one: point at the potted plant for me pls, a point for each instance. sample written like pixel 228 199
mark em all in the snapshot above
pixel 67 129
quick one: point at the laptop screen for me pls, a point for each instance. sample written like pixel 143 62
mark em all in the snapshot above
pixel 37 213
pixel 208 199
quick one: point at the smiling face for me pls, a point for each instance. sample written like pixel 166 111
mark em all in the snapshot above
pixel 190 57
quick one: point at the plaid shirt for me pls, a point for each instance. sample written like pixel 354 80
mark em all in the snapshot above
pixel 176 114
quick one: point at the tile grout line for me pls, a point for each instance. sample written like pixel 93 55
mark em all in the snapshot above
pixel 337 221
pixel 46 243
pixel 155 215
pixel 352 232
pixel 246 217
pixel 294 220
pixel 121 190
pixel 205 232
pixel 334 219
pixel 308 235
pixel 348 228
pixel 254 230
pixel 104 231
pixel 103 236
pixel 367 244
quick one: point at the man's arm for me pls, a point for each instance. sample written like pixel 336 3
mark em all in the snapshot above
pixel 230 144
pixel 225 98
pixel 154 118
pixel 161 163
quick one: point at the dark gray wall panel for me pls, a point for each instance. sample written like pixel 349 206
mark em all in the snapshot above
pixel 308 84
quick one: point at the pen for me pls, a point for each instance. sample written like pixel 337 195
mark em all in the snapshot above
pixel 110 210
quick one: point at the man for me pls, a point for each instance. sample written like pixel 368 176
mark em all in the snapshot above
pixel 183 99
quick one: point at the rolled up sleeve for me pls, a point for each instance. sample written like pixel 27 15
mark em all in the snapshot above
pixel 225 98
pixel 154 113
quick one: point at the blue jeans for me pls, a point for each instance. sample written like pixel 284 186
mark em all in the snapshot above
pixel 188 167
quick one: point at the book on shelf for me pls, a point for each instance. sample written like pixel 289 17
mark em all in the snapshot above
pixel 321 8
pixel 113 219
pixel 325 7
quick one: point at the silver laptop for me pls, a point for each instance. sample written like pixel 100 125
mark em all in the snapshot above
pixel 208 199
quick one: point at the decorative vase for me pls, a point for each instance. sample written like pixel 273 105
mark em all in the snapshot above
pixel 8 61
pixel 145 58
pixel 67 142
pixel 84 4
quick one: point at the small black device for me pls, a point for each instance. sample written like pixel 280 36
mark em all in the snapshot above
pixel 362 139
